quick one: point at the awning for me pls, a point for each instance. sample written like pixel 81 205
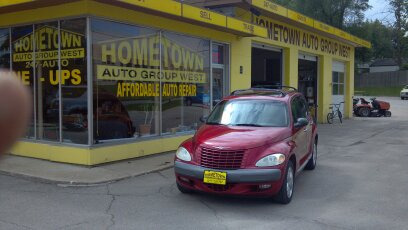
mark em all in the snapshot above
pixel 166 8
pixel 194 15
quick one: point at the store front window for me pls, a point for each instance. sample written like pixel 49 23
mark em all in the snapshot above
pixel 219 72
pixel 74 81
pixel 145 82
pixel 50 58
pixel 4 49
pixel 22 63
pixel 46 80
pixel 126 96
pixel 186 88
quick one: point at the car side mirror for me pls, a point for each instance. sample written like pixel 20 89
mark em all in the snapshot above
pixel 301 122
pixel 203 119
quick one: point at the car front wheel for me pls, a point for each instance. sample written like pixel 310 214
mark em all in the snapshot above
pixel 286 192
pixel 311 164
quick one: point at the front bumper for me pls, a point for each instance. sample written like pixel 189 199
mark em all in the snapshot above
pixel 233 176
pixel 239 182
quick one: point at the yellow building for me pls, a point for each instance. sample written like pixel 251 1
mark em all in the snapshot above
pixel 119 79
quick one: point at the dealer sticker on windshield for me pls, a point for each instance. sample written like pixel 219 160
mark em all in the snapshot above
pixel 212 177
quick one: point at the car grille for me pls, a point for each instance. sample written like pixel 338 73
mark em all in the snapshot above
pixel 221 159
pixel 220 188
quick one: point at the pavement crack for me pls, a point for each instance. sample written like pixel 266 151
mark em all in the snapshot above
pixel 15 224
pixel 215 213
pixel 108 209
pixel 73 225
pixel 162 175
pixel 357 143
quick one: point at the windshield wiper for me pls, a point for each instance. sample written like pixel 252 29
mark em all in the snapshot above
pixel 252 125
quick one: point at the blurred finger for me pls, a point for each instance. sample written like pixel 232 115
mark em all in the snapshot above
pixel 15 107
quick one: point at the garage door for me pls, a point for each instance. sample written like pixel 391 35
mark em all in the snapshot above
pixel 338 83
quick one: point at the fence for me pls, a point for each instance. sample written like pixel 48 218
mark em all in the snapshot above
pixel 384 79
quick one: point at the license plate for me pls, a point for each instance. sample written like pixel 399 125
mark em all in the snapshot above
pixel 212 177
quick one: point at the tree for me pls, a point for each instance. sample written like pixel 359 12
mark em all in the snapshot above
pixel 337 13
pixel 380 36
pixel 400 28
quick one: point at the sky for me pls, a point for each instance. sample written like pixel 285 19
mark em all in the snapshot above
pixel 380 10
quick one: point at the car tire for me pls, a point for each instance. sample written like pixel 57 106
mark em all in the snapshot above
pixel 311 164
pixel 183 189
pixel 364 112
pixel 285 194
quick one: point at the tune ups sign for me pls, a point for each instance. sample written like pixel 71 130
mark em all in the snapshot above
pixel 40 51
pixel 140 64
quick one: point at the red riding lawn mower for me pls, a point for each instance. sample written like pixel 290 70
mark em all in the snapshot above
pixel 375 108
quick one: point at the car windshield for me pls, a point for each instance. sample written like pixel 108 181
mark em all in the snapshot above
pixel 256 113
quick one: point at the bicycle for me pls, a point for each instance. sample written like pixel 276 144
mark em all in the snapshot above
pixel 335 112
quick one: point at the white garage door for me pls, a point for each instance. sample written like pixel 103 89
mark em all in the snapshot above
pixel 338 83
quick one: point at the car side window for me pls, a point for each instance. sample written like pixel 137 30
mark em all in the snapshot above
pixel 295 109
pixel 303 107
pixel 299 108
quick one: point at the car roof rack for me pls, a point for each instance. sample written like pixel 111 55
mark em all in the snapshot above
pixel 265 90
pixel 277 86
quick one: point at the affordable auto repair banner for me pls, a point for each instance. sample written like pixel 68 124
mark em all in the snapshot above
pixel 136 63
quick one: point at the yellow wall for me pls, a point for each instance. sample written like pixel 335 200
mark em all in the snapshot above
pixel 240 56
pixel 324 95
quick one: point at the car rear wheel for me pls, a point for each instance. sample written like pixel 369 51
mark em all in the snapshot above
pixel 286 192
pixel 183 189
pixel 311 164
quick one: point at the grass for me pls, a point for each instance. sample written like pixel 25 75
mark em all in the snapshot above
pixel 379 91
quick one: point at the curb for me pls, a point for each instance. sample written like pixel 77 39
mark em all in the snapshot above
pixel 82 184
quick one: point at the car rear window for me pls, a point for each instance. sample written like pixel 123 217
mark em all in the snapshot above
pixel 259 113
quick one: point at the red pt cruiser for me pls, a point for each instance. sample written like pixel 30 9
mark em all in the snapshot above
pixel 253 143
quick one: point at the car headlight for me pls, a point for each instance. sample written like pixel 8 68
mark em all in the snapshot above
pixel 271 160
pixel 183 154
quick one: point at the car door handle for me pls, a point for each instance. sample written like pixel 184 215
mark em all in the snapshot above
pixel 306 128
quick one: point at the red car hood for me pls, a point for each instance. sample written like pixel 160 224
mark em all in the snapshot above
pixel 241 137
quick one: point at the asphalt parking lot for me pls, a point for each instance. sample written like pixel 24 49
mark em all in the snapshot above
pixel 361 182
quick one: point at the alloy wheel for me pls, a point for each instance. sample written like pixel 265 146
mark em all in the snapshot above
pixel 289 182
pixel 314 155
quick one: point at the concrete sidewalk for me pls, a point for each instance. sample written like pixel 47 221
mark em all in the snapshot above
pixel 75 175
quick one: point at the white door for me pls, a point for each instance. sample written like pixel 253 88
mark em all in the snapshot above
pixel 338 84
